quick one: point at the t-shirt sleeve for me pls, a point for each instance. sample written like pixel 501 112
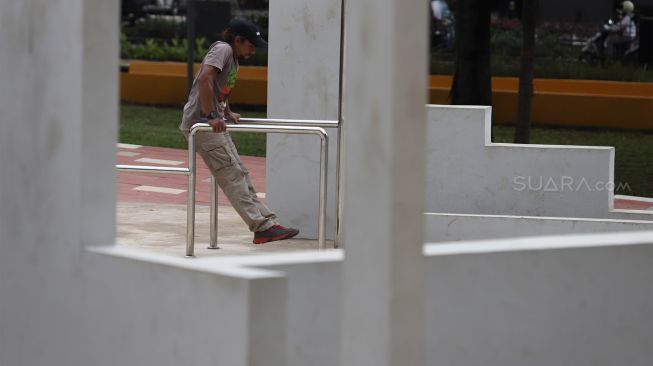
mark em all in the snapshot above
pixel 218 56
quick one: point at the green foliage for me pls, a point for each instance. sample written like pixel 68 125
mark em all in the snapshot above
pixel 508 42
pixel 505 43
pixel 164 40
pixel 553 59
pixel 548 46
pixel 173 50
pixel 159 39
pixel 155 28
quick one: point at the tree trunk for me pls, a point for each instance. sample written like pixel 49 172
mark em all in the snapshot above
pixel 472 83
pixel 525 99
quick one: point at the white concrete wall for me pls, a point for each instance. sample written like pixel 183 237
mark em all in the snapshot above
pixel 457 227
pixel 578 300
pixel 314 303
pixel 140 309
pixel 559 300
pixel 542 301
pixel 303 83
pixel 468 174
pixel 61 304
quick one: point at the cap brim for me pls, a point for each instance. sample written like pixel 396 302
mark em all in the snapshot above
pixel 259 42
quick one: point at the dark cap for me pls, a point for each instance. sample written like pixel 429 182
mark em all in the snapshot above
pixel 243 28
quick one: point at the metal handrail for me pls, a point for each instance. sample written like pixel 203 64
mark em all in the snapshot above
pixel 290 122
pixel 301 130
pixel 152 169
pixel 337 242
pixel 314 127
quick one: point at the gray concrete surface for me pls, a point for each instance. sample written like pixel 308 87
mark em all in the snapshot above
pixel 161 228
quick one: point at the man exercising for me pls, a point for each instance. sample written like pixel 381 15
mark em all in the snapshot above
pixel 208 103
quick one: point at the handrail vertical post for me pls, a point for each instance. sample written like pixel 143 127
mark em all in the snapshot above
pixel 213 244
pixel 338 239
pixel 190 210
pixel 321 235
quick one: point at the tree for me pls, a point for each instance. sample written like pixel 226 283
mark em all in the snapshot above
pixel 472 82
pixel 525 98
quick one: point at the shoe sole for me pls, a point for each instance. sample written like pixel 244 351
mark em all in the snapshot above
pixel 274 238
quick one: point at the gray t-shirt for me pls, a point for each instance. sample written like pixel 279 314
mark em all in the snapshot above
pixel 221 56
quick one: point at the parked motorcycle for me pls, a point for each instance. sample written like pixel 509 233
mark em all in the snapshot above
pixel 442 25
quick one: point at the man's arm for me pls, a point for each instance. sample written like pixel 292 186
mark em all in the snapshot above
pixel 206 82
pixel 621 25
pixel 228 114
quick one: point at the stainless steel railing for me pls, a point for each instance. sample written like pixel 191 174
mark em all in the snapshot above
pixel 151 169
pixel 304 127
pixel 290 122
pixel 271 128
pixel 337 242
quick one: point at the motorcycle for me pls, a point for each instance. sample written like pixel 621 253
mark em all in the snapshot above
pixel 595 49
pixel 442 25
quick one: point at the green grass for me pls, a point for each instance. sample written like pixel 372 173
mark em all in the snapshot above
pixel 633 152
pixel 156 126
pixel 159 126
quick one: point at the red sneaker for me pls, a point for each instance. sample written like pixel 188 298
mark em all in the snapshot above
pixel 276 232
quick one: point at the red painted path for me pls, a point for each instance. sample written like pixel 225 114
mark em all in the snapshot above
pixel 130 184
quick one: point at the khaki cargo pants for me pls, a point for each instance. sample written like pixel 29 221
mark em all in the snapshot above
pixel 220 155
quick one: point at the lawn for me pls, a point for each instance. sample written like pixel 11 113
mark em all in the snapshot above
pixel 153 126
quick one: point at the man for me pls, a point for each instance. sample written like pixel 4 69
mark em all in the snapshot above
pixel 622 33
pixel 208 103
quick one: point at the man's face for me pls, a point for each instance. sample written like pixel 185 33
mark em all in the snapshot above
pixel 244 48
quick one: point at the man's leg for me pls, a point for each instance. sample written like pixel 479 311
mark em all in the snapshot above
pixel 276 232
pixel 214 148
pixel 615 45
pixel 265 211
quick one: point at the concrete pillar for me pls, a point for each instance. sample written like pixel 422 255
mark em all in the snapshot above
pixel 40 152
pixel 384 128
pixel 99 120
pixel 303 83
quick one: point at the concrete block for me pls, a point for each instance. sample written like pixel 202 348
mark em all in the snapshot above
pixel 468 174
pixel 459 227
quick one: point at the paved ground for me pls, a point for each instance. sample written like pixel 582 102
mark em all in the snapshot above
pixel 152 207
pixel 161 227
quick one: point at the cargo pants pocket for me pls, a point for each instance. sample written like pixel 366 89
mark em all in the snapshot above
pixel 218 156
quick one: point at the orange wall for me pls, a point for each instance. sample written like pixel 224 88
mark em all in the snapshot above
pixel 555 102
pixel 164 83
pixel 587 103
